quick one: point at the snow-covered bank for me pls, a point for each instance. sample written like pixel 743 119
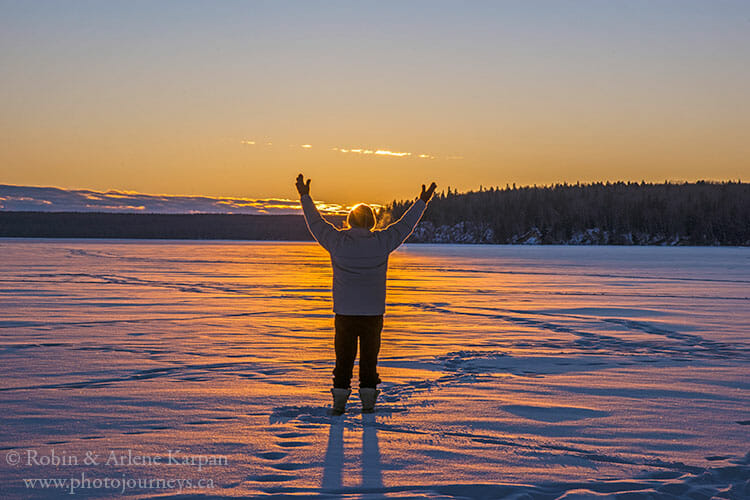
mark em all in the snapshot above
pixel 476 233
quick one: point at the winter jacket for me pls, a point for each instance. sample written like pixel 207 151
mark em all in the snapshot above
pixel 360 258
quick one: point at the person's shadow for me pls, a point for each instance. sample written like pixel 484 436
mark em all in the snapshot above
pixel 334 461
pixel 372 473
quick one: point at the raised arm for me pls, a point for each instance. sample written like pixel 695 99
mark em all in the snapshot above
pixel 322 230
pixel 397 232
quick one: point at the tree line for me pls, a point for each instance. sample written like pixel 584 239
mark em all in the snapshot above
pixel 698 213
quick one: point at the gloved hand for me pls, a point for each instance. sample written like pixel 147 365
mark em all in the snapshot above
pixel 303 187
pixel 426 194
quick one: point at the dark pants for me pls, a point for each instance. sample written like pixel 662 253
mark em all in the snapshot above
pixel 348 329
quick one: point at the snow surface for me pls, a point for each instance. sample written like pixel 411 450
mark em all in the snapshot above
pixel 509 372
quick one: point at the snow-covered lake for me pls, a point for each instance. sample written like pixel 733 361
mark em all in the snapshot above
pixel 546 371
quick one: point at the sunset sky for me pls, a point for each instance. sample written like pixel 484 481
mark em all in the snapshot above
pixel 370 99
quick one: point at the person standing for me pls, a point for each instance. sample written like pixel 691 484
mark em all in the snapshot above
pixel 359 257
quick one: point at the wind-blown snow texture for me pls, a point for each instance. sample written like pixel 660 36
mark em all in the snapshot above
pixel 518 372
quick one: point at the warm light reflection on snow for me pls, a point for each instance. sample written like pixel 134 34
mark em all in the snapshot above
pixel 500 364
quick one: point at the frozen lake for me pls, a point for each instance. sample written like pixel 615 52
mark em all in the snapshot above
pixel 543 370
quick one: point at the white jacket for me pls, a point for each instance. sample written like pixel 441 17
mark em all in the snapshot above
pixel 360 258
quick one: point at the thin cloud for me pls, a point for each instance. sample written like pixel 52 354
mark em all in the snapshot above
pixel 362 151
pixel 116 208
pixel 381 152
pixel 53 199
pixel 390 153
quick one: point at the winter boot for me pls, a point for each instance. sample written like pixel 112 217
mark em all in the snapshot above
pixel 368 395
pixel 339 399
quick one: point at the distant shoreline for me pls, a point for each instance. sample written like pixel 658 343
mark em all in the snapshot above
pixel 209 227
pixel 629 214
pixel 105 225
